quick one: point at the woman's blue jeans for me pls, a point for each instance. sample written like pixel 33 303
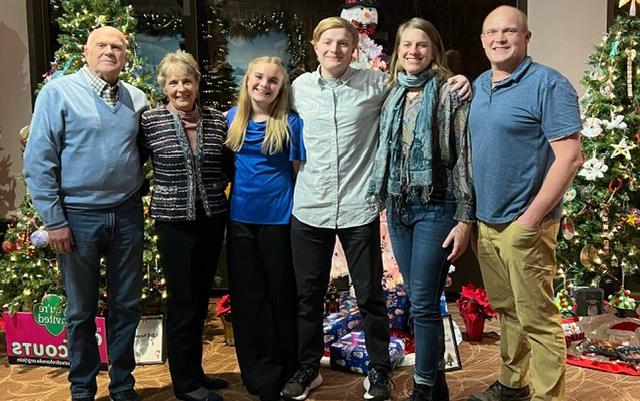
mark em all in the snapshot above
pixel 417 233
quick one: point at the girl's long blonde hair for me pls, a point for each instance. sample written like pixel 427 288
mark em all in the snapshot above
pixel 277 130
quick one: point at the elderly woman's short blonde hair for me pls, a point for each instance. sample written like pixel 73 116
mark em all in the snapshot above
pixel 178 60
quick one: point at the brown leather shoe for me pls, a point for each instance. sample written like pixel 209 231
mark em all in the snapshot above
pixel 499 392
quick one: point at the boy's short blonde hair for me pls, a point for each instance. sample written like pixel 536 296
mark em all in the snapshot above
pixel 334 23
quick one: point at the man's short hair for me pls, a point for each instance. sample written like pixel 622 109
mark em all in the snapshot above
pixel 334 23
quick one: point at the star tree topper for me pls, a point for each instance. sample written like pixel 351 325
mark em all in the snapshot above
pixel 632 10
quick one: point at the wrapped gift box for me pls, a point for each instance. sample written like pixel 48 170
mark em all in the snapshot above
pixel 444 310
pixel 398 308
pixel 348 304
pixel 350 353
pixel 337 325
pixel 338 301
pixel 572 329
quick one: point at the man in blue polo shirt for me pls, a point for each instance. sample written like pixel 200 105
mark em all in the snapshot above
pixel 524 124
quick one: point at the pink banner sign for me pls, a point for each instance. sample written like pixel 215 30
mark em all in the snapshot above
pixel 30 343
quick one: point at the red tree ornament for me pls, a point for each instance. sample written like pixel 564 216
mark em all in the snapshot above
pixel 8 246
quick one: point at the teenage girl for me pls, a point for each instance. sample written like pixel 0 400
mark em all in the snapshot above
pixel 267 141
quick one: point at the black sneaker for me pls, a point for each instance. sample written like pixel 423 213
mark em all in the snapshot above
pixel 306 379
pixel 440 387
pixel 272 398
pixel 499 392
pixel 421 392
pixel 213 383
pixel 126 395
pixel 211 396
pixel 82 398
pixel 377 386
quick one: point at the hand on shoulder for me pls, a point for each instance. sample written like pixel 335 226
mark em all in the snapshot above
pixel 461 85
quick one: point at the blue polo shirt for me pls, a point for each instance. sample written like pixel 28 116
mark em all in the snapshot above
pixel 511 126
pixel 262 190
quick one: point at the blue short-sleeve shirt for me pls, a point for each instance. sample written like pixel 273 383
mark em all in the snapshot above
pixel 262 190
pixel 511 126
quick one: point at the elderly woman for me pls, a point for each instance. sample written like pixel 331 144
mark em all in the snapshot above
pixel 190 171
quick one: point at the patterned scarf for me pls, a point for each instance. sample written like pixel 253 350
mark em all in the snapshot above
pixel 391 177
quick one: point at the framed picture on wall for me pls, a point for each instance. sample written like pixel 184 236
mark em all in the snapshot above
pixel 451 353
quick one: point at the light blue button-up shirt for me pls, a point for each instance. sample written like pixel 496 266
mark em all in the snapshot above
pixel 341 137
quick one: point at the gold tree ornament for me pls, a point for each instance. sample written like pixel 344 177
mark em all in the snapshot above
pixel 589 256
pixel 631 55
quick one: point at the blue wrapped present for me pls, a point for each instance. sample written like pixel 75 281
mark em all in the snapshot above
pixel 398 308
pixel 336 325
pixel 347 303
pixel 444 310
pixel 337 301
pixel 350 353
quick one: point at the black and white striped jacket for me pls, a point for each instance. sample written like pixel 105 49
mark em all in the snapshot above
pixel 179 175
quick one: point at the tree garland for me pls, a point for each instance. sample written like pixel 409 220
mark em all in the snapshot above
pixel 161 24
pixel 279 21
pixel 218 88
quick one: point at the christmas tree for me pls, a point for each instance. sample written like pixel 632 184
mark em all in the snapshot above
pixel 29 268
pixel 600 241
pixel 218 87
pixel 27 272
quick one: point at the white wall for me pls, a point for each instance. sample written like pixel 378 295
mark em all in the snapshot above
pixel 565 32
pixel 15 100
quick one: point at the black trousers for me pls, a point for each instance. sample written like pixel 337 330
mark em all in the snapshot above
pixel 263 302
pixel 189 252
pixel 312 251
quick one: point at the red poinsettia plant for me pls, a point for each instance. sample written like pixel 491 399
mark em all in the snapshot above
pixel 223 305
pixel 473 303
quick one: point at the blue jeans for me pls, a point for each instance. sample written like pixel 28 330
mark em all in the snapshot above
pixel 417 234
pixel 115 234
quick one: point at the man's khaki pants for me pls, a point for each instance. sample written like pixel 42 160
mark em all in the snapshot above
pixel 518 265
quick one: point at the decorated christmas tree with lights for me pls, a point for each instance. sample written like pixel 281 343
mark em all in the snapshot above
pixel 29 268
pixel 79 17
pixel 218 87
pixel 600 231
